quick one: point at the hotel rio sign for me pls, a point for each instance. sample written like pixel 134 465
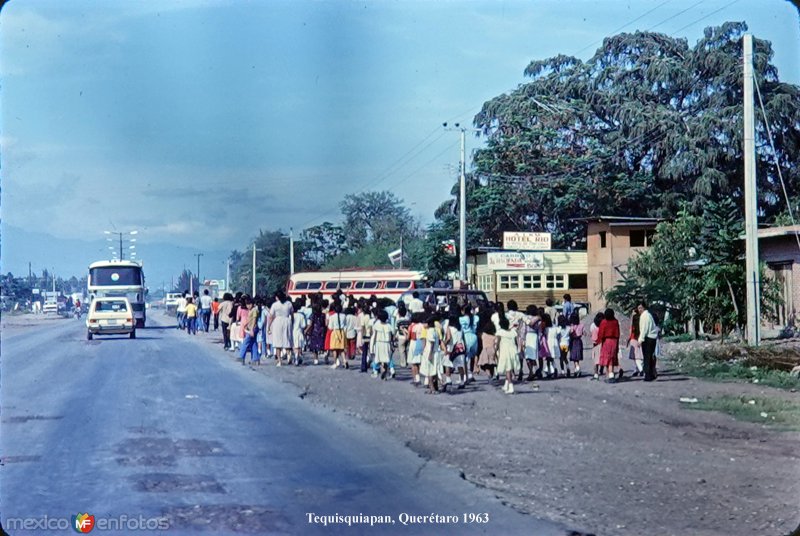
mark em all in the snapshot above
pixel 527 241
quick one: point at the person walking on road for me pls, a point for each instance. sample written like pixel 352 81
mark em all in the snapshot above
pixel 280 328
pixel 250 326
pixel 225 310
pixel 634 346
pixel 205 309
pixel 191 317
pixel 180 311
pixel 215 311
pixel 316 332
pixel 507 354
pixel 593 330
pixel 381 342
pixel 469 327
pixel 608 335
pixel 567 307
pixel 576 342
pixel 648 337
pixel 299 324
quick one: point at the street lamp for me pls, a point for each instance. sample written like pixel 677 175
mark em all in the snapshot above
pixel 198 255
pixel 120 239
pixel 462 202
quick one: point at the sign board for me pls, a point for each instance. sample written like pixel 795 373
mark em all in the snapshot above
pixel 219 283
pixel 515 260
pixel 35 291
pixel 527 241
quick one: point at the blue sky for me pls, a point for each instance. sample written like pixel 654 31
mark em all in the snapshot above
pixel 198 122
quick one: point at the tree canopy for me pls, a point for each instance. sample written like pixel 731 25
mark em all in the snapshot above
pixel 644 126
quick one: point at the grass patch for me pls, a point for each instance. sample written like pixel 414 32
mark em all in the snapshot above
pixel 683 337
pixel 734 363
pixel 770 411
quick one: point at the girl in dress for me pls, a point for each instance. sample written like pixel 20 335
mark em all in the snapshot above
pixel 507 354
pixel 456 350
pixel 563 345
pixel 280 327
pixel 576 342
pixel 469 327
pixel 608 335
pixel 488 357
pixel 416 345
pixel 553 332
pixel 316 332
pixel 351 333
pixel 547 340
pixel 381 342
pixel 364 333
pixel 431 366
pixel 635 352
pixel 531 351
pixel 299 324
pixel 593 329
pixel 337 322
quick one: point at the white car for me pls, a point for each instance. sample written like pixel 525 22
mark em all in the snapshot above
pixel 110 316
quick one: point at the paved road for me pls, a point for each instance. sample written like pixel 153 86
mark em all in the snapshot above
pixel 166 427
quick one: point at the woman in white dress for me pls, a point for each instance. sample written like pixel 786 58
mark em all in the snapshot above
pixel 299 324
pixel 431 366
pixel 337 326
pixel 456 352
pixel 507 354
pixel 280 326
pixel 381 342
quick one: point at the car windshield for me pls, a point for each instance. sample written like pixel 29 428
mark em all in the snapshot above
pixel 109 306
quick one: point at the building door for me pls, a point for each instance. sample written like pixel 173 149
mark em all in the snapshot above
pixel 782 273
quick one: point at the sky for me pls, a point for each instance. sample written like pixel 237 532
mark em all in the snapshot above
pixel 198 122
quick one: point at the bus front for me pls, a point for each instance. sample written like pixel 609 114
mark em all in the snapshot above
pixel 120 278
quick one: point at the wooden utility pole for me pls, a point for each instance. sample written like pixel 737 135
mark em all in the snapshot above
pixel 752 276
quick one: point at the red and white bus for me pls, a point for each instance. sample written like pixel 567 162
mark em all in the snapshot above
pixel 355 282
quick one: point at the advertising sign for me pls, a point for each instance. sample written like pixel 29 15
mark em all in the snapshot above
pixel 527 241
pixel 515 260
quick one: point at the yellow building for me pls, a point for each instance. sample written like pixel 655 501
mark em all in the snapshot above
pixel 528 277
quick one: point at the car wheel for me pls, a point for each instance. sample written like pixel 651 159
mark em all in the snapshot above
pixel 88 335
pixel 133 334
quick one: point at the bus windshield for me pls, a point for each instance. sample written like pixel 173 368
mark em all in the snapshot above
pixel 116 276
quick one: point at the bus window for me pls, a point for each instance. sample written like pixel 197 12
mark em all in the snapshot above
pixel 302 285
pixel 331 285
pixel 403 284
pixel 314 285
pixel 344 285
pixel 366 284
pixel 390 284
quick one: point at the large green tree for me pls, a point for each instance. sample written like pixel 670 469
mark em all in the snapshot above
pixel 644 126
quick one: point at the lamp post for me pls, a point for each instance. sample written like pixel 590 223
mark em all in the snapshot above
pixel 462 202
pixel 120 239
pixel 291 251
pixel 198 255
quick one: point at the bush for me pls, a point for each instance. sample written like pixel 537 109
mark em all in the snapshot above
pixel 768 366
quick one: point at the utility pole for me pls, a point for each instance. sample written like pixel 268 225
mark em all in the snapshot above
pixel 254 269
pixel 291 251
pixel 752 276
pixel 228 274
pixel 401 252
pixel 198 255
pixel 462 203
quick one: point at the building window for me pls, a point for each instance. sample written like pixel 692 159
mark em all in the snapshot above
pixel 578 281
pixel 509 282
pixel 555 281
pixel 531 282
pixel 642 238
pixel 602 239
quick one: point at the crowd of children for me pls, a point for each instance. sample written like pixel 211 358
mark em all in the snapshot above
pixel 445 345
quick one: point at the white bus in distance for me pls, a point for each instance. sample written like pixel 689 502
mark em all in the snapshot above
pixel 354 282
pixel 116 279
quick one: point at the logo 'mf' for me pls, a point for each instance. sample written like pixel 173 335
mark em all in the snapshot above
pixel 83 523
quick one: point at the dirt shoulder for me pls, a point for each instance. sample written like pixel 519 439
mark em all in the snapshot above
pixel 609 459
pixel 11 324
